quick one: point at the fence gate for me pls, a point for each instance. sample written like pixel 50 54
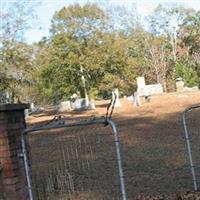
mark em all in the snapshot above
pixel 191 125
pixel 73 160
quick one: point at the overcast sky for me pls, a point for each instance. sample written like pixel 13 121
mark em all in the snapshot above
pixel 46 9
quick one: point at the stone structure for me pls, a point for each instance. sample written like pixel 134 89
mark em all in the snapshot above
pixel 179 85
pixel 78 104
pixel 13 180
pixel 137 99
pixel 190 89
pixel 64 106
pixel 152 89
pixel 117 101
pixel 146 90
pixel 92 104
pixel 140 82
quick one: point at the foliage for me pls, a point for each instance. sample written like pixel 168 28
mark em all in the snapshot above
pixel 190 37
pixel 187 72
pixel 190 32
pixel 15 56
pixel 79 43
pixel 15 65
pixel 76 58
pixel 92 50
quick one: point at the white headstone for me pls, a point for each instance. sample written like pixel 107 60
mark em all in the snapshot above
pixel 130 98
pixel 153 89
pixel 140 82
pixel 80 104
pixel 137 99
pixel 115 93
pixel 64 106
pixel 188 89
pixel 26 113
pixel 92 104
pixel 32 106
pixel 179 85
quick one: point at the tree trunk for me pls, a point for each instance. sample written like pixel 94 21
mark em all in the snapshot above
pixel 84 86
pixel 12 97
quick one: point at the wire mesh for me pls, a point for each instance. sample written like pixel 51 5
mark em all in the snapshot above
pixel 74 163
pixel 154 162
pixel 192 127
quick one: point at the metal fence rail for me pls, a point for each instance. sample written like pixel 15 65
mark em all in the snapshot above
pixel 191 127
pixel 75 160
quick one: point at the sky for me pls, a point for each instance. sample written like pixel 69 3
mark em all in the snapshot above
pixel 46 8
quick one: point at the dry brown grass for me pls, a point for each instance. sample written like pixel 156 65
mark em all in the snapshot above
pixel 153 149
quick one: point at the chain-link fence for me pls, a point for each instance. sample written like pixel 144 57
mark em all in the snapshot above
pixel 74 160
pixel 154 156
pixel 81 159
pixel 191 124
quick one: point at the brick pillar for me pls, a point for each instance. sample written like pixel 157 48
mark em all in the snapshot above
pixel 13 184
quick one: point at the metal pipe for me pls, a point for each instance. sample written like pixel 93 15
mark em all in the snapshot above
pixel 28 178
pixel 26 131
pixel 83 123
pixel 119 161
pixel 52 126
pixel 189 149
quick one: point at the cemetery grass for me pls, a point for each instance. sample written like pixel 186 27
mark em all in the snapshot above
pixel 152 143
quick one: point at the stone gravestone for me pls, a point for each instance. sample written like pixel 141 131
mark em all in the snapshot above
pixel 179 85
pixel 92 104
pixel 137 99
pixel 32 106
pixel 146 90
pixel 140 84
pixel 152 89
pixel 190 89
pixel 83 103
pixel 80 104
pixel 64 106
pixel 26 113
pixel 117 101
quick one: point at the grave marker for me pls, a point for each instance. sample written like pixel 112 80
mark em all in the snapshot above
pixel 115 94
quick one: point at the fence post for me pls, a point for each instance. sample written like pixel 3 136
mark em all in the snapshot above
pixel 12 123
pixel 119 161
pixel 187 140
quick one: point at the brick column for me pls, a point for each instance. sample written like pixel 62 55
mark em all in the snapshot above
pixel 13 184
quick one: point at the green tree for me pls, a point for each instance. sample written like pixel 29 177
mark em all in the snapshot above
pixel 42 52
pixel 190 37
pixel 91 56
pixel 190 32
pixel 76 58
pixel 116 68
pixel 186 70
pixel 166 21
pixel 16 64
pixel 15 55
